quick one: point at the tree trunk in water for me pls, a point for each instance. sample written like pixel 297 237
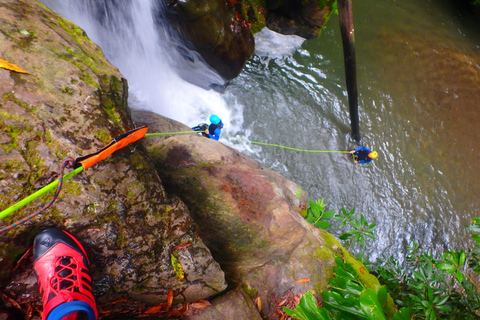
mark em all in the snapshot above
pixel 348 39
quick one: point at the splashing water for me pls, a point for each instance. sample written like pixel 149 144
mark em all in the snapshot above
pixel 152 59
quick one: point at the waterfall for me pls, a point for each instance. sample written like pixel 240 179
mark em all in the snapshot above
pixel 153 59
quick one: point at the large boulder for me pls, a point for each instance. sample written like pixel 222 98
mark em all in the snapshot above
pixel 72 102
pixel 249 216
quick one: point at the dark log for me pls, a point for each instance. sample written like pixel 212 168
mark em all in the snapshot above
pixel 348 39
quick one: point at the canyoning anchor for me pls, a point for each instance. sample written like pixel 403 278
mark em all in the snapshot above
pixel 363 155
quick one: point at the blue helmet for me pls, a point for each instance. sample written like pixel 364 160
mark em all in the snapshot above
pixel 215 119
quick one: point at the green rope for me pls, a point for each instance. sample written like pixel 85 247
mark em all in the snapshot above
pixel 169 133
pixel 54 184
pixel 285 147
pixel 37 194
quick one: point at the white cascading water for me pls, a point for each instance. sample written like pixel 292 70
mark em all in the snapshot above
pixel 147 56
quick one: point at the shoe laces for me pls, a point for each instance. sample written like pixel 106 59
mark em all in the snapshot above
pixel 66 276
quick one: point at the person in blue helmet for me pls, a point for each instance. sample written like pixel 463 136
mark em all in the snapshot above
pixel 215 128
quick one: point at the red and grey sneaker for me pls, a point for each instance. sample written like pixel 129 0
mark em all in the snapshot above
pixel 62 266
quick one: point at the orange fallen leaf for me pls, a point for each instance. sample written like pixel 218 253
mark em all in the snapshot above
pixel 304 280
pixel 12 301
pixel 154 309
pixel 10 66
pixel 169 298
pixel 200 304
pixel 258 303
pixel 281 303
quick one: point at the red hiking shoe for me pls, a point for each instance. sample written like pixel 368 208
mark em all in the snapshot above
pixel 62 266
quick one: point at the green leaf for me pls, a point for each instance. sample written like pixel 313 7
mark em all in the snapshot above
pixel 462 258
pixel 369 234
pixel 426 304
pixel 477 270
pixel 345 236
pixel 349 286
pixel 344 269
pixel 459 276
pixel 447 267
pixel 382 294
pixel 328 214
pixel 351 305
pixel 308 309
pixel 444 308
pixel 370 305
pixel 476 237
pixel 402 314
pixel 363 221
pixel 443 300
pixel 323 224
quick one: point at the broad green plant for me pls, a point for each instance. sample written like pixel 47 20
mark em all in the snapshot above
pixel 436 287
pixel 360 228
pixel 348 298
pixel 317 215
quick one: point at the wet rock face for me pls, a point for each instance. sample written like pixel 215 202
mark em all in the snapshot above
pixel 222 31
pixel 72 103
pixel 218 31
pixel 295 17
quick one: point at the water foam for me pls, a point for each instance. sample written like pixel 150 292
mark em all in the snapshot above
pixel 146 53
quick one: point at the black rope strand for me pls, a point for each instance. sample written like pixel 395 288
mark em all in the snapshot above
pixel 68 162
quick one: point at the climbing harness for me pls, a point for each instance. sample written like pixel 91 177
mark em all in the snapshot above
pixel 84 162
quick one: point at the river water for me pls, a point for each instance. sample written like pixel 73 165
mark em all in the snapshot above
pixel 418 69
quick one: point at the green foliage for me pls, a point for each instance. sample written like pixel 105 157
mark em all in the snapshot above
pixel 360 228
pixel 435 287
pixel 317 216
pixel 348 298
pixel 423 286
pixel 308 309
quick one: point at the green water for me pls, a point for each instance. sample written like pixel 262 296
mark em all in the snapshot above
pixel 418 83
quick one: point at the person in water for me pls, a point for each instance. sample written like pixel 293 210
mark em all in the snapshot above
pixel 215 128
pixel 363 155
